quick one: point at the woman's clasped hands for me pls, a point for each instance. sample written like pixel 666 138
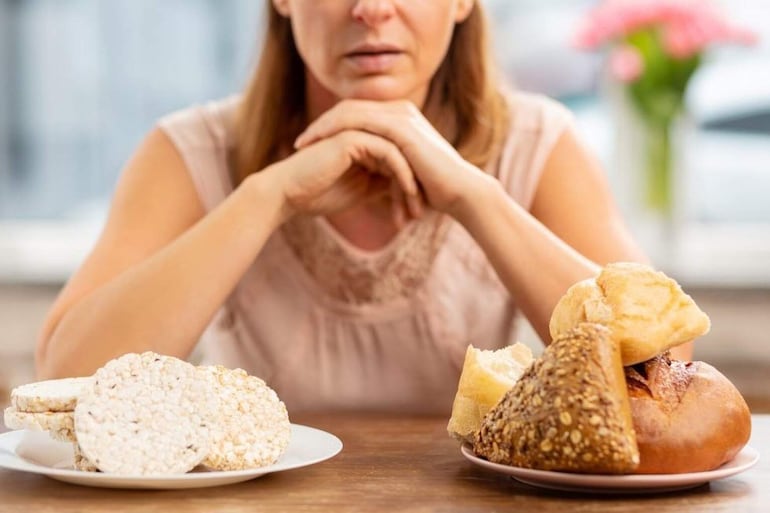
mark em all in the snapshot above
pixel 361 149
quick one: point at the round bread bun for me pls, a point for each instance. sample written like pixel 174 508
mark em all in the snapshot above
pixel 646 311
pixel 688 417
pixel 486 376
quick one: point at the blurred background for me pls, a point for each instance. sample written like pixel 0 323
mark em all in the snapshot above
pixel 82 81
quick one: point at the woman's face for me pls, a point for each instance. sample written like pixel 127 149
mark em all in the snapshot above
pixel 373 49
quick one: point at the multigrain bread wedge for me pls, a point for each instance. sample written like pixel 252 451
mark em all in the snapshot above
pixel 53 395
pixel 253 428
pixel 146 414
pixel 568 412
pixel 646 311
pixel 486 376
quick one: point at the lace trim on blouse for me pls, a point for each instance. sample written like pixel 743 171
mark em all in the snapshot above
pixel 395 272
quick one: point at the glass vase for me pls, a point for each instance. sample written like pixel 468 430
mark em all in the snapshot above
pixel 647 173
pixel 657 168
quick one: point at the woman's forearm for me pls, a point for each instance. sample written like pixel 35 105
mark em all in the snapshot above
pixel 534 264
pixel 165 302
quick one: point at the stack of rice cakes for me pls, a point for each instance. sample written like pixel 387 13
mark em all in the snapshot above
pixel 149 414
pixel 49 406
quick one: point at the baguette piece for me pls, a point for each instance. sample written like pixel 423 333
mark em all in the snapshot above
pixel 568 412
pixel 646 311
pixel 486 376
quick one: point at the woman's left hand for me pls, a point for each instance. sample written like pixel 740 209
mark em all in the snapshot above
pixel 445 177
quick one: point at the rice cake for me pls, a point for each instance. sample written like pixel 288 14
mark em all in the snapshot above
pixel 53 395
pixel 146 414
pixel 253 424
pixel 50 421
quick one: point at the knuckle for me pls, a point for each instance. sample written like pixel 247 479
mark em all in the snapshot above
pixel 408 107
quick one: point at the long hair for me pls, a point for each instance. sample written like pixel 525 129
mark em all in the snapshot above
pixel 471 111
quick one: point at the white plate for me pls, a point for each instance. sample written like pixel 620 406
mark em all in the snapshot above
pixel 30 451
pixel 633 483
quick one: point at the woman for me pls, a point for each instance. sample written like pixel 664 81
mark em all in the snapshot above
pixel 370 206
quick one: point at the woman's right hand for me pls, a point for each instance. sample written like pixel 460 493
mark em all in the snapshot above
pixel 340 171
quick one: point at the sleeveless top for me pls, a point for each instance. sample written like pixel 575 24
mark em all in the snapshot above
pixel 331 326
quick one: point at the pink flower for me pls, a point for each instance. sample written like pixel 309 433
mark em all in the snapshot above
pixel 626 63
pixel 687 26
pixel 681 40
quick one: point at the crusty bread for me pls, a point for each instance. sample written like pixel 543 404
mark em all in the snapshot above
pixel 688 417
pixel 486 376
pixel 568 412
pixel 48 396
pixel 646 311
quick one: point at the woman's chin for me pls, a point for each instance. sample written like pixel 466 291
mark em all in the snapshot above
pixel 381 89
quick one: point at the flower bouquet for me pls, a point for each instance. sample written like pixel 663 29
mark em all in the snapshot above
pixel 655 47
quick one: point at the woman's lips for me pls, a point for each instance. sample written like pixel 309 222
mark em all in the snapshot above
pixel 373 62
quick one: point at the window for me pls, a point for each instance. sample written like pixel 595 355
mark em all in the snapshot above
pixel 84 80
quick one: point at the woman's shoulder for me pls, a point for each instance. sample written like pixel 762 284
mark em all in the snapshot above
pixel 536 112
pixel 208 125
pixel 537 122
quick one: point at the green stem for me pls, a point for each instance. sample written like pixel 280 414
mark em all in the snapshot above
pixel 658 172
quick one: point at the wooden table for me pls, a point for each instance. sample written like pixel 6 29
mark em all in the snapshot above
pixel 389 464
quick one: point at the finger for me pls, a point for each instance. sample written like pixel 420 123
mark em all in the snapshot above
pixel 415 205
pixel 387 158
pixel 397 205
pixel 322 126
pixel 386 119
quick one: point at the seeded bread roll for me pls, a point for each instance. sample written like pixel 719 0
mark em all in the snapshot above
pixel 146 414
pixel 568 412
pixel 253 428
pixel 646 311
pixel 688 417
pixel 48 396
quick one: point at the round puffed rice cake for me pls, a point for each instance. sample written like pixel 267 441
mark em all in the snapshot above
pixel 80 461
pixel 50 421
pixel 47 396
pixel 253 424
pixel 146 414
pixel 63 435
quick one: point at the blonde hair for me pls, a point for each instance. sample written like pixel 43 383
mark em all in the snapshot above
pixel 471 111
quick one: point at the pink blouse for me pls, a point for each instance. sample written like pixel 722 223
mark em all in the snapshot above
pixel 331 326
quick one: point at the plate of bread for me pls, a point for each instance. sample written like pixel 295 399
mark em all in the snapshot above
pixel 606 408
pixel 154 421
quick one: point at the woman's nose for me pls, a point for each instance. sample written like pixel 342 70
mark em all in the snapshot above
pixel 372 12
